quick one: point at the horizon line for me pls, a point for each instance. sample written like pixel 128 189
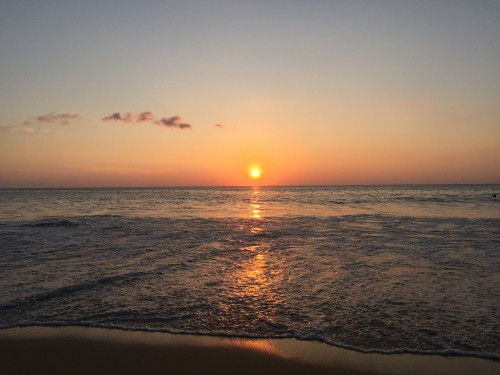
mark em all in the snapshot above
pixel 239 186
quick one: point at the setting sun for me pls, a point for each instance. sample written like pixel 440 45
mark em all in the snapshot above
pixel 255 172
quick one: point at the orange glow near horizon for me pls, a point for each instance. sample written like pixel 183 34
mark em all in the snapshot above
pixel 63 160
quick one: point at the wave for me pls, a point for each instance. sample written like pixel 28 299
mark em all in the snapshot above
pixel 69 289
pixel 53 223
pixel 365 273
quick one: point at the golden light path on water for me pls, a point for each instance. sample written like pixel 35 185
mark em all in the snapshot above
pixel 256 281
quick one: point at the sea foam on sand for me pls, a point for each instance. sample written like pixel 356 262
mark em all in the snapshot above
pixel 80 350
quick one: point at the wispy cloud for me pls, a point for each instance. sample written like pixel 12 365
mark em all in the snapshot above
pixel 219 125
pixel 25 129
pixel 29 129
pixel 173 122
pixel 117 116
pixel 130 117
pixel 148 116
pixel 60 118
pixel 6 129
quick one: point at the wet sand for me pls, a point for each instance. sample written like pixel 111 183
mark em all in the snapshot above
pixel 78 350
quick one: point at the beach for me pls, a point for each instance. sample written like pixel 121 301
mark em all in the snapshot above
pixel 81 350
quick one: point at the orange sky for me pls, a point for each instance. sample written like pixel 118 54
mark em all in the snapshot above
pixel 103 95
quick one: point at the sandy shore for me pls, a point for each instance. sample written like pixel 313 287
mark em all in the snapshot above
pixel 77 350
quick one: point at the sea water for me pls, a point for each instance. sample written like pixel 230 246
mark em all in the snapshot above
pixel 374 268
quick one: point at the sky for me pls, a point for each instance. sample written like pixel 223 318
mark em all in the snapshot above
pixel 195 93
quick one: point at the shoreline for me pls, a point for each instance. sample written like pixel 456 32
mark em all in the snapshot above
pixel 57 350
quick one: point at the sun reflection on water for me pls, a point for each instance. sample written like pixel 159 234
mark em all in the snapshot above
pixel 257 279
pixel 255 209
pixel 252 279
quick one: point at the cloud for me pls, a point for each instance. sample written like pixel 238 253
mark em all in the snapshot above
pixel 6 129
pixel 61 118
pixel 117 116
pixel 219 125
pixel 67 118
pixel 146 116
pixel 173 122
pixel 169 121
pixel 29 129
pixel 130 117
pixel 26 129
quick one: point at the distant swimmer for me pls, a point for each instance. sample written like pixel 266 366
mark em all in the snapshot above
pixel 494 195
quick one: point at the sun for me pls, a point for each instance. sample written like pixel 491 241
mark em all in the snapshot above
pixel 255 172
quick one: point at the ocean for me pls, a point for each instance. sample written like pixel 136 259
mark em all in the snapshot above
pixel 374 268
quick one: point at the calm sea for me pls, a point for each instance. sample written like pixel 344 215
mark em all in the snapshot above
pixel 386 269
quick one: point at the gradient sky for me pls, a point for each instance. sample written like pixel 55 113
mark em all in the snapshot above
pixel 315 92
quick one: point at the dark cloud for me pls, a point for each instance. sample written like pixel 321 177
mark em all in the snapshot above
pixel 145 116
pixel 218 125
pixel 173 122
pixel 117 116
pixel 130 117
pixel 61 118
pixel 169 121
pixel 148 116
